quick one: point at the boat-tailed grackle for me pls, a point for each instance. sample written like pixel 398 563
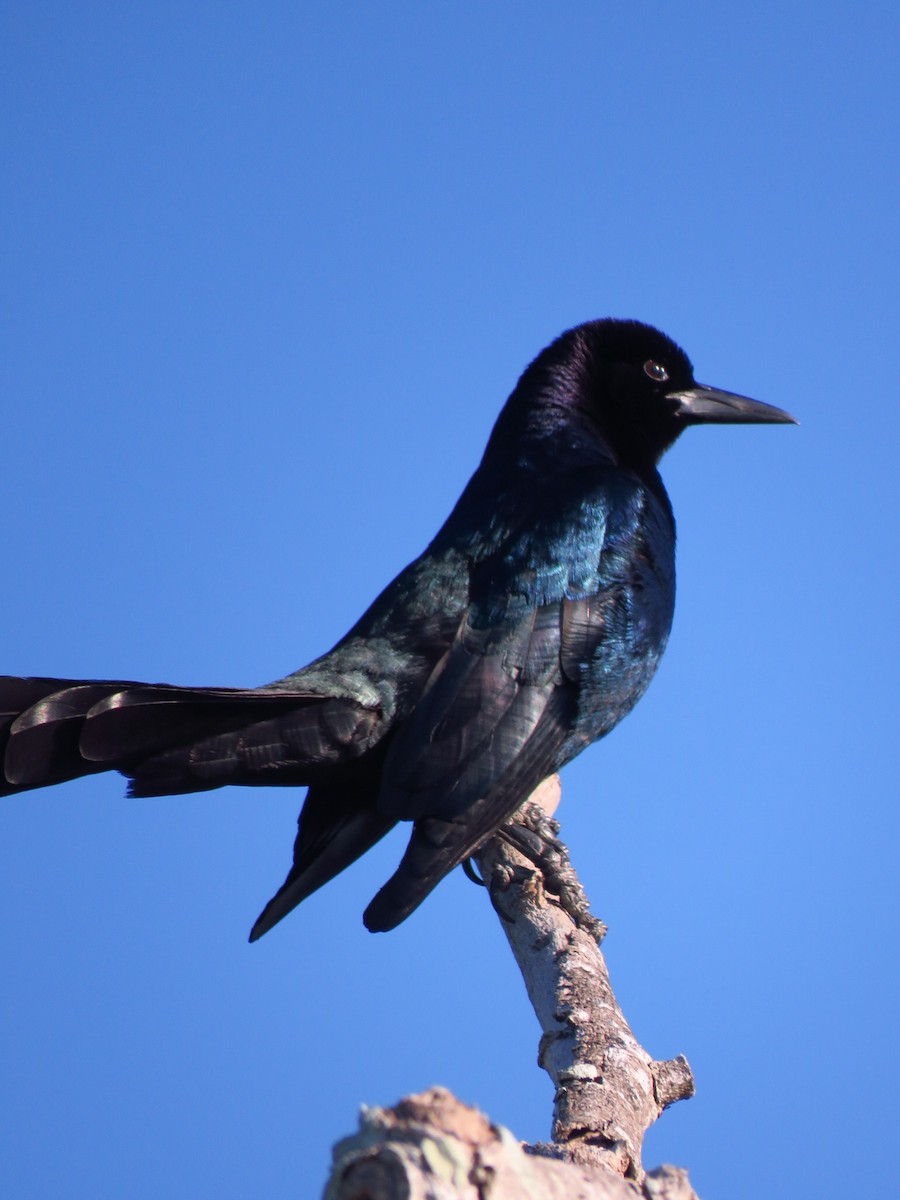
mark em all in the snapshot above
pixel 527 629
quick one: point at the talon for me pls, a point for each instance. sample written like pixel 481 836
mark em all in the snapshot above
pixel 470 871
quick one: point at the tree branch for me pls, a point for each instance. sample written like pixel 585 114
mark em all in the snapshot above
pixel 608 1089
pixel 432 1147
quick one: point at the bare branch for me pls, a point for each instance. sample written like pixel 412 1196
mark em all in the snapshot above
pixel 608 1088
pixel 432 1147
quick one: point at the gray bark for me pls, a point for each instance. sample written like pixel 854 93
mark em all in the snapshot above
pixel 432 1147
pixel 608 1090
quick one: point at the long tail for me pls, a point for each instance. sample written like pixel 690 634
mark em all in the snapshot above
pixel 166 738
pixel 170 739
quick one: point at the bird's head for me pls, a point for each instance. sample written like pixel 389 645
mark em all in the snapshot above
pixel 636 387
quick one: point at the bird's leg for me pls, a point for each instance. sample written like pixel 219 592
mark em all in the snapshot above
pixel 534 834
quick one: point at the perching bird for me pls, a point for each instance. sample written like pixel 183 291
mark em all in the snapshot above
pixel 528 628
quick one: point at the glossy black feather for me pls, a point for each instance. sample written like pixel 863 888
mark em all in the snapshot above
pixel 527 629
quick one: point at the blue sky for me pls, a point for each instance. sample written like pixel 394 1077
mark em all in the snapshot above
pixel 269 271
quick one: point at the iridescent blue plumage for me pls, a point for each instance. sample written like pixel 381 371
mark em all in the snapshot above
pixel 527 629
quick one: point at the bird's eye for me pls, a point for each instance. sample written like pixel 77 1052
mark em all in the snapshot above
pixel 655 371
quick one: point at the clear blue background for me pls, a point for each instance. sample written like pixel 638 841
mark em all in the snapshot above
pixel 268 273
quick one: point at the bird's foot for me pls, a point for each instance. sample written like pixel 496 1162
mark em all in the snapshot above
pixel 535 835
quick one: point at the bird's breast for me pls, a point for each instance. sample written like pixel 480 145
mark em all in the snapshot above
pixel 635 602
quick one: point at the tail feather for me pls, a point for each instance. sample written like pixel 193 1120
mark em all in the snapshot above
pixel 52 730
pixel 332 834
pixel 169 739
pixel 143 721
pixel 43 740
pixel 40 723
pixel 288 745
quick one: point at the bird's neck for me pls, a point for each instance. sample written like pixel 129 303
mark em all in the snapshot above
pixel 553 425
pixel 553 417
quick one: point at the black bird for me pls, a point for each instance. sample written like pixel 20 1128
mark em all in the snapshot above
pixel 527 629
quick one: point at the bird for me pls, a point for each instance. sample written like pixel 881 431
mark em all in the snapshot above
pixel 527 629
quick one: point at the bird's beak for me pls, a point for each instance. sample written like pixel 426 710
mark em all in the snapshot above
pixel 700 404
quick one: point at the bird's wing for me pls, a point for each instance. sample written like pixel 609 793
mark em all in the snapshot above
pixel 533 623
pixel 485 700
pixel 502 709
pixel 494 721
